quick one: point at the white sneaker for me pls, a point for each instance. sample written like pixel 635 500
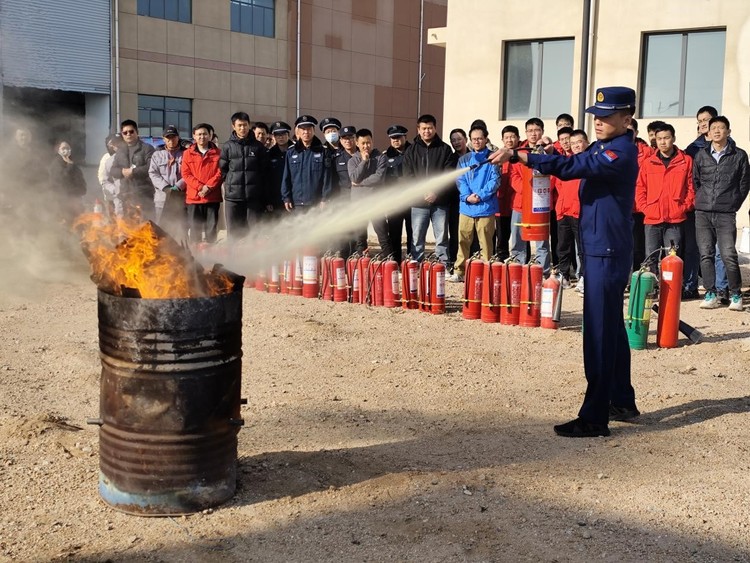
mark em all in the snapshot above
pixel 735 303
pixel 579 286
pixel 711 301
pixel 455 278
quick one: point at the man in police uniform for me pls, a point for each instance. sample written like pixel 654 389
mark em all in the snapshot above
pixel 341 158
pixel 608 170
pixel 276 156
pixel 307 179
pixel 397 219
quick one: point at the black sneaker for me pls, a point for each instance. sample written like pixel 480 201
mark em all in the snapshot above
pixel 723 296
pixel 623 414
pixel 579 428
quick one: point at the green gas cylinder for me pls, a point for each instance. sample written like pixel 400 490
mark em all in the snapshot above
pixel 642 293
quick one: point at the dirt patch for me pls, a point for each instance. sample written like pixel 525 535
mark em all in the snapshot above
pixel 375 434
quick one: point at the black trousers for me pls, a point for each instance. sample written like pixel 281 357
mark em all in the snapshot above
pixel 242 217
pixel 453 214
pixel 502 236
pixel 553 234
pixel 396 223
pixel 203 217
pixel 639 241
pixel 567 238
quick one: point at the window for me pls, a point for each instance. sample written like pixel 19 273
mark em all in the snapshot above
pixel 682 72
pixel 538 78
pixel 156 112
pixel 174 10
pixel 255 17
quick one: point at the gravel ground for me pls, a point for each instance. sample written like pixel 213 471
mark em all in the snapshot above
pixel 375 434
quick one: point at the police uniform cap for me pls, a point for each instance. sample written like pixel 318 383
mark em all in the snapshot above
pixel 396 131
pixel 280 127
pixel 170 130
pixel 330 122
pixel 348 131
pixel 304 120
pixel 611 99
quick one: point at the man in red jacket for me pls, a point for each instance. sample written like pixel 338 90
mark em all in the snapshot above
pixel 664 193
pixel 200 170
pixel 567 210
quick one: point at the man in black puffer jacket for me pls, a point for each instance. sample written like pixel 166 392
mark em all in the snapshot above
pixel 721 178
pixel 130 166
pixel 244 169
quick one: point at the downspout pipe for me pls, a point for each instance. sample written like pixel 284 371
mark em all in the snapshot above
pixel 419 72
pixel 583 83
pixel 299 54
pixel 117 65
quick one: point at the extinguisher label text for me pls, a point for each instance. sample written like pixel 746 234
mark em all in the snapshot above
pixel 540 194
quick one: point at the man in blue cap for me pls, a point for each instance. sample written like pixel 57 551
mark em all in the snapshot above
pixel 608 170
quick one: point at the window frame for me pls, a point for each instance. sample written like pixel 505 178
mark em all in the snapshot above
pixel 168 106
pixel 237 24
pixel 684 33
pixel 538 76
pixel 145 8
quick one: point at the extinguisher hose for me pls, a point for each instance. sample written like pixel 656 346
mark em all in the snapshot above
pixel 631 302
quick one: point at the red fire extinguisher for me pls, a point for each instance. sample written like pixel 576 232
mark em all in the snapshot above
pixel 273 278
pixel 375 282
pixel 410 282
pixel 340 280
pixel 510 296
pixel 310 274
pixel 296 287
pixel 260 281
pixel 391 286
pixel 363 268
pixel 531 294
pixel 491 291
pixel 535 205
pixel 285 277
pixel 473 281
pixel 437 288
pixel 352 272
pixel 326 278
pixel 670 296
pixel 425 302
pixel 551 301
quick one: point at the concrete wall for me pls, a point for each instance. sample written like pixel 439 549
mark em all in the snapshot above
pixel 477 29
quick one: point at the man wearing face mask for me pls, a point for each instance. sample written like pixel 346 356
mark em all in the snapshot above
pixel 169 187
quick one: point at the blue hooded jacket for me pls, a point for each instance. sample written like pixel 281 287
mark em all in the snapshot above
pixel 483 181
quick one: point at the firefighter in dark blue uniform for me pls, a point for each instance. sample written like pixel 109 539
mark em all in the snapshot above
pixel 276 156
pixel 608 169
pixel 306 182
pixel 397 219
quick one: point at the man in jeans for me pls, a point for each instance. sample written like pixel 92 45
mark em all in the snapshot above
pixel 429 156
pixel 721 177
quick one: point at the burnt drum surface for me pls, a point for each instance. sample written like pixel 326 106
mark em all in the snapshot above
pixel 170 402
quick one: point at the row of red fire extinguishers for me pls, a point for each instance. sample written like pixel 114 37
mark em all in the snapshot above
pixel 378 281
pixel 495 291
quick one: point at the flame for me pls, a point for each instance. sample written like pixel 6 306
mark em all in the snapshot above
pixel 128 256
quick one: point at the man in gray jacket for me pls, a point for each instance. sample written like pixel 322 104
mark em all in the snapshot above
pixel 130 166
pixel 169 187
pixel 367 172
pixel 721 178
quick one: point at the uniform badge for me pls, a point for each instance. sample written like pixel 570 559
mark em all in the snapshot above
pixel 609 155
pixel 600 97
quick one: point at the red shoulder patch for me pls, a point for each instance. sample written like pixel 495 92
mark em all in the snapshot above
pixel 611 156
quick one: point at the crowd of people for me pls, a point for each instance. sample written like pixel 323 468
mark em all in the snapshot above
pixel 684 198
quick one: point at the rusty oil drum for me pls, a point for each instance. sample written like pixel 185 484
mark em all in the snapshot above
pixel 170 402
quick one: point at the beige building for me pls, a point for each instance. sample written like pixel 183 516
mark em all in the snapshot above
pixel 539 59
pixel 185 62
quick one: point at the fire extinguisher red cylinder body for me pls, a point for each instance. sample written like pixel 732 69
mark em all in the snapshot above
pixel 510 296
pixel 491 288
pixel 352 271
pixel 285 276
pixel 363 269
pixel 551 289
pixel 410 284
pixel 375 282
pixel 535 205
pixel 437 288
pixel 473 283
pixel 310 274
pixel 425 301
pixel 340 280
pixel 531 295
pixel 391 285
pixel 670 296
pixel 296 286
pixel 273 278
pixel 260 281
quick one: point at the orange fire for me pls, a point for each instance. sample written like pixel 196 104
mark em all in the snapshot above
pixel 129 256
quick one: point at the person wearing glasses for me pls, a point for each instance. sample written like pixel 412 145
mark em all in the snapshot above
pixel 130 166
